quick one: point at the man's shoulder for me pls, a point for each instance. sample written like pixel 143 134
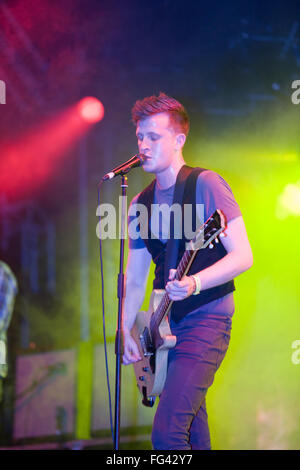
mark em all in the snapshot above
pixel 205 174
pixel 208 175
pixel 211 179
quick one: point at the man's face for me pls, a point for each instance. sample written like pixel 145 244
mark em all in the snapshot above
pixel 157 141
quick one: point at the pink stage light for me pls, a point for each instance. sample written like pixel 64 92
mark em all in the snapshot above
pixel 30 161
pixel 91 109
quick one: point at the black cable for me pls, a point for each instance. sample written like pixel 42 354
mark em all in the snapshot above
pixel 103 322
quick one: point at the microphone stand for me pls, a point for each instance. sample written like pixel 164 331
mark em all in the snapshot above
pixel 121 170
pixel 119 342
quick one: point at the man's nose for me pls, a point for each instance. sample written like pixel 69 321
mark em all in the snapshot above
pixel 144 145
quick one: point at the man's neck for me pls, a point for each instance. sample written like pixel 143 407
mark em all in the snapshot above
pixel 167 178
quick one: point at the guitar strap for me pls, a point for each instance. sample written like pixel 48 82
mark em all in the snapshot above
pixel 173 243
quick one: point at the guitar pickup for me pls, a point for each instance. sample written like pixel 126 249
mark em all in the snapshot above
pixel 146 343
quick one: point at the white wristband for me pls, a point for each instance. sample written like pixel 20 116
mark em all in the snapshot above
pixel 198 284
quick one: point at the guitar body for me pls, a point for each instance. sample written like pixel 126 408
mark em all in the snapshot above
pixel 153 346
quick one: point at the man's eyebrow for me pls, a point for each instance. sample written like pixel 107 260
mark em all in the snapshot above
pixel 147 133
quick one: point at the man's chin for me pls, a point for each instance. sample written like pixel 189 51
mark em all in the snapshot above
pixel 148 170
pixel 148 167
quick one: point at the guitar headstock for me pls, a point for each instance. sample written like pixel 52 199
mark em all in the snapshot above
pixel 208 232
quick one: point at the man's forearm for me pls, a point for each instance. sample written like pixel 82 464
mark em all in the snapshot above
pixel 134 297
pixel 224 270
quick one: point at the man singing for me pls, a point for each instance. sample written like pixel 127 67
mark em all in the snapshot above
pixel 201 314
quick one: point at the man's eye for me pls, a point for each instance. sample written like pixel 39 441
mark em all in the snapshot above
pixel 154 137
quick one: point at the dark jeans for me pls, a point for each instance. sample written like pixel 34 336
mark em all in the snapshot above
pixel 181 419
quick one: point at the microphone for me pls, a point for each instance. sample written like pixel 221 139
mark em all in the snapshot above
pixel 136 160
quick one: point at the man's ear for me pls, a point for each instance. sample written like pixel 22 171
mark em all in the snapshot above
pixel 180 140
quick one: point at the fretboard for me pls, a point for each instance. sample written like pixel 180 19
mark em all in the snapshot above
pixel 166 303
pixel 210 231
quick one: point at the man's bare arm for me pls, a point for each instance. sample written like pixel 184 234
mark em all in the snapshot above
pixel 136 276
pixel 239 258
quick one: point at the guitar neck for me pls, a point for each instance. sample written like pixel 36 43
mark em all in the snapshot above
pixel 165 303
pixel 208 232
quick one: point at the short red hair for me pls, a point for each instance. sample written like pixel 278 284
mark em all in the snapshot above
pixel 162 103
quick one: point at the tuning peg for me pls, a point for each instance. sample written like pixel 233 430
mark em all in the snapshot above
pixel 217 240
pixel 210 246
pixel 222 235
